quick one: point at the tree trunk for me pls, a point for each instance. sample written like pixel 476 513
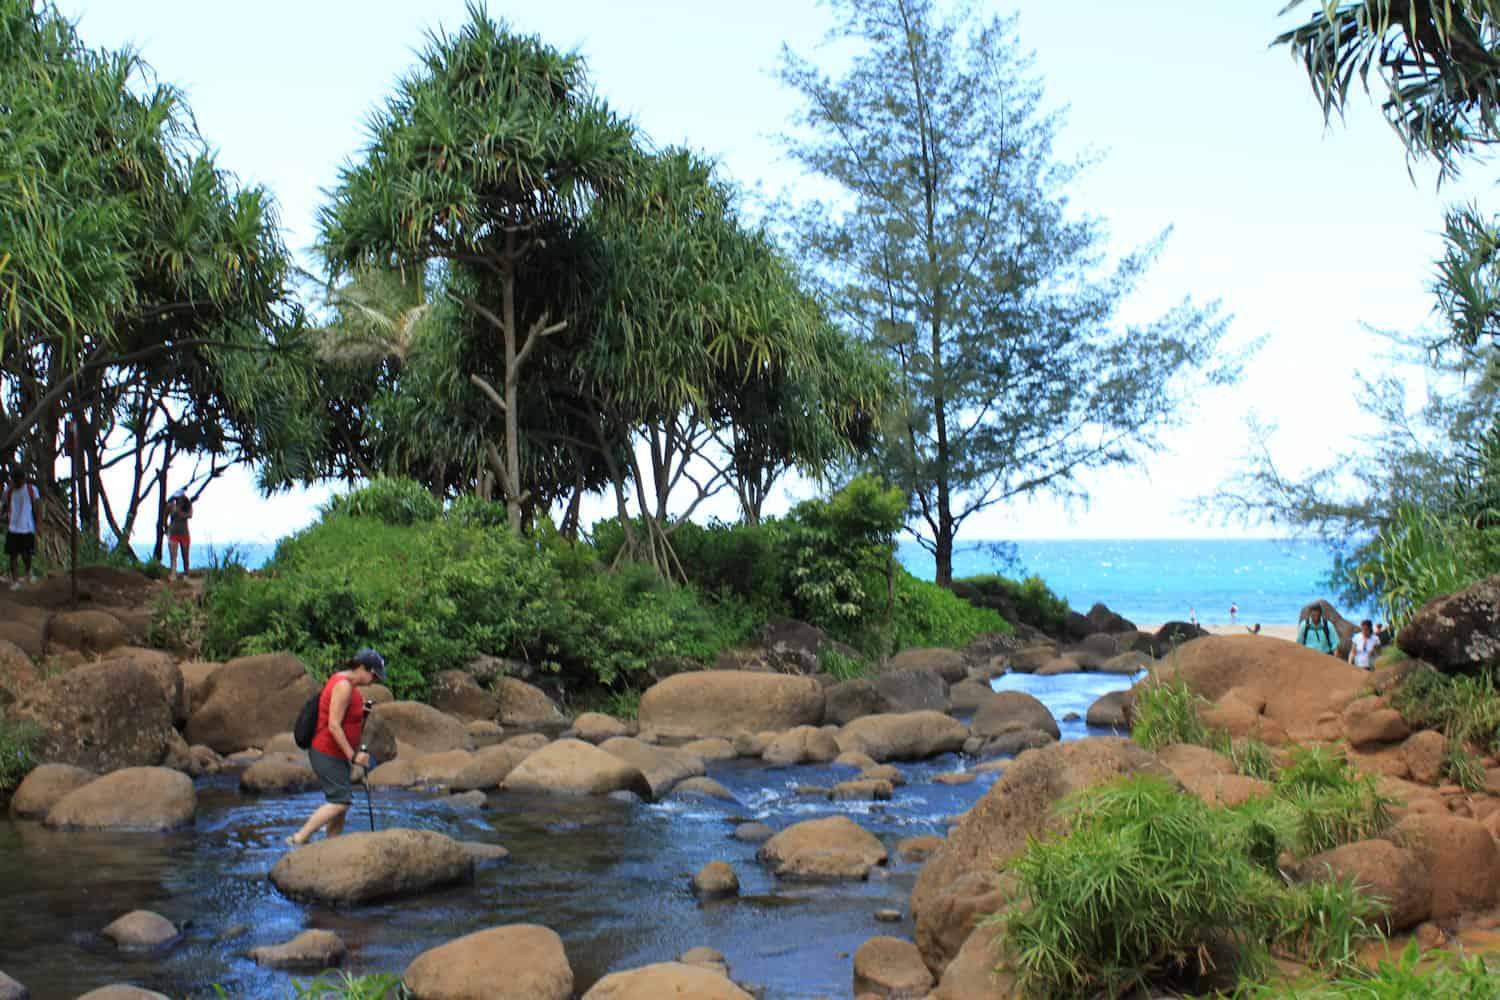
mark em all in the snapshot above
pixel 512 483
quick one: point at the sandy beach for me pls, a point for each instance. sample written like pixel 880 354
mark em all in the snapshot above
pixel 1287 632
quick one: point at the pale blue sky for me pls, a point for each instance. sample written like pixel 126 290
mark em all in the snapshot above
pixel 1304 233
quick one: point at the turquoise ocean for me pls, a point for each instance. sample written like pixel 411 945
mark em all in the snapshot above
pixel 1148 581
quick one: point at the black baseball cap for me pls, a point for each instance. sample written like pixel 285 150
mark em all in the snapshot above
pixel 371 661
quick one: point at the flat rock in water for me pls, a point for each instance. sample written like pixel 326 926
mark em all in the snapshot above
pixel 136 798
pixel 44 787
pixel 703 788
pixel 573 767
pixel 315 949
pixel 122 991
pixel 753 833
pixel 835 848
pixel 482 852
pixel 666 979
pixel 515 962
pixel 362 867
pixel 142 930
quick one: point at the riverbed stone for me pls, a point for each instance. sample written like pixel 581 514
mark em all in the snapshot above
pixel 514 962
pixel 1394 876
pixel 573 767
pixel 861 790
pixel 969 695
pixel 484 733
pixel 310 950
pixel 663 767
pixel 1108 712
pixel 359 868
pixel 134 798
pixel 1370 721
pixel 483 853
pixel 906 736
pixel 706 958
pixel 716 879
pixel 949 664
pixel 142 930
pixel 855 759
pixel 596 727
pixel 1010 711
pixel 162 666
pixel 415 727
pixel 753 833
pixel 884 772
pixel 457 693
pixel 852 699
pixel 423 769
pixel 488 768
pixel 972 976
pixel 730 702
pixel 907 690
pixel 959 883
pixel 195 675
pixel 44 786
pixel 527 741
pixel 802 745
pixel 99 716
pixel 666 979
pixel 835 848
pixel 1461 858
pixel 705 788
pixel 247 701
pixel 526 706
pixel 1425 754
pixel 122 991
pixel 918 848
pixel 10 989
pixel 890 967
pixel 1211 776
pixel 86 631
pixel 279 772
pixel 713 748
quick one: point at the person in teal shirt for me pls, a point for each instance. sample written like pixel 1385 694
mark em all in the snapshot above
pixel 1316 633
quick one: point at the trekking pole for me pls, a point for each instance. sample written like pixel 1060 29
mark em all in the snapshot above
pixel 369 803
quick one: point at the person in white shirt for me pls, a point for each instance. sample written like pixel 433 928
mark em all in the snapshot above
pixel 1363 646
pixel 19 500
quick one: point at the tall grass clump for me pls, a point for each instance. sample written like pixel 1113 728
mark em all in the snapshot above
pixel 1144 886
pixel 1166 712
pixel 1412 976
pixel 1464 708
pixel 347 986
pixel 1324 924
pixel 1329 802
pixel 18 751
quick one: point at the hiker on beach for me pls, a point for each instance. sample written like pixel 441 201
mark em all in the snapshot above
pixel 1363 646
pixel 179 511
pixel 335 752
pixel 1234 613
pixel 20 500
pixel 1315 632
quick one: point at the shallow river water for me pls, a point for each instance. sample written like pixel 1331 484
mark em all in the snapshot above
pixel 611 878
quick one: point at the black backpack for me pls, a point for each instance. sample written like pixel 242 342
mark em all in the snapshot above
pixel 306 726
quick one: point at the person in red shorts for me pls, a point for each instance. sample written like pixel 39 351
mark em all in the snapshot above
pixel 334 752
pixel 179 511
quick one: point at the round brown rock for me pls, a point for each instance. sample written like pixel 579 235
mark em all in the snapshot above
pixel 279 772
pixel 716 879
pixel 664 980
pixel 802 745
pixel 1460 857
pixel 753 833
pixel 525 706
pixel 713 748
pixel 1108 712
pixel 730 702
pixel 456 693
pixel 415 726
pixel 835 848
pixel 861 790
pixel 247 701
pixel 663 767
pixel 142 930
pixel 918 848
pixel 890 967
pixel 361 867
pixel 1394 875
pixel 906 736
pixel 1425 754
pixel 596 727
pixel 85 631
pixel 315 949
pixel 515 962
pixel 100 716
pixel 573 767
pixel 949 664
pixel 1009 711
pixel 136 798
pixel 44 786
pixel 488 768
pixel 706 788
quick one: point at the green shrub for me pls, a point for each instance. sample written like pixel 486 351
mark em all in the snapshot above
pixel 394 501
pixel 1036 603
pixel 1166 712
pixel 473 512
pixel 1325 923
pixel 1252 758
pixel 1145 880
pixel 1464 766
pixel 840 665
pixel 18 748
pixel 1464 708
pixel 1421 554
pixel 347 986
pixel 928 615
pixel 1414 976
pixel 177 624
pixel 1330 802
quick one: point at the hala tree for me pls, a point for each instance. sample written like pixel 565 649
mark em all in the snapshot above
pixel 477 160
pixel 953 250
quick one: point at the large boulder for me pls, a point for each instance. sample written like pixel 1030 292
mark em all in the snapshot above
pixel 413 727
pixel 890 967
pixel 489 768
pixel 662 766
pixel 596 727
pixel 728 703
pixel 907 736
pixel 100 716
pixel 1211 776
pixel 362 867
pixel 823 849
pixel 1102 619
pixel 1371 722
pixel 791 646
pixel 456 693
pixel 949 664
pixel 1296 689
pixel 135 798
pixel 525 706
pixel 85 631
pixel 912 691
pixel 1395 876
pixel 423 769
pixel 969 695
pixel 311 950
pixel 852 699
pixel 515 962
pixel 803 745
pixel 195 675
pixel 1009 711
pixel 959 883
pixel 1459 855
pixel 1108 712
pixel 1457 633
pixel 44 787
pixel 280 773
pixel 667 980
pixel 160 665
pixel 972 976
pixel 248 701
pixel 573 767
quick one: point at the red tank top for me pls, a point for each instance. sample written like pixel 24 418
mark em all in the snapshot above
pixel 354 719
